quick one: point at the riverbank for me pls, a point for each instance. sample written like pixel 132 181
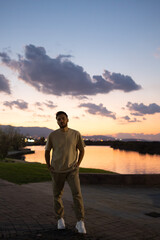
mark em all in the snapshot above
pixel 25 172
pixel 19 153
pixel 21 172
pixel 137 146
pixel 147 180
pixel 142 147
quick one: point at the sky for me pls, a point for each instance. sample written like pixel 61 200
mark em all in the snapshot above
pixel 99 61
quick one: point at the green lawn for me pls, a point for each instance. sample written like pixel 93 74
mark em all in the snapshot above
pixel 21 173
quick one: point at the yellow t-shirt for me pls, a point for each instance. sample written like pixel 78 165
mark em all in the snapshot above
pixel 65 147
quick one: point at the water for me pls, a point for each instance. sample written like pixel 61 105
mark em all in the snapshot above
pixel 104 157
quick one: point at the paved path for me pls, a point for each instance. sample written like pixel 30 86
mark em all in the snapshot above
pixel 112 212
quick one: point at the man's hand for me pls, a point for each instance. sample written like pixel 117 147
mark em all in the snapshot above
pixel 51 169
pixel 76 165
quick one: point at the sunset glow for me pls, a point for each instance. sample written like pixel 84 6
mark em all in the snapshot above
pixel 97 60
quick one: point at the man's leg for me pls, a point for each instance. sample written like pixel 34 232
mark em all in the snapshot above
pixel 58 181
pixel 74 183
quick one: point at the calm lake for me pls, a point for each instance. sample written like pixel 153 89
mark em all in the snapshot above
pixel 104 157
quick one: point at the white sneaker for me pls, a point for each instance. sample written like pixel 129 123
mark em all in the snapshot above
pixel 61 224
pixel 81 227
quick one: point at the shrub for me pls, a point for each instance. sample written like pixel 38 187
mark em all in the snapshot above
pixel 10 139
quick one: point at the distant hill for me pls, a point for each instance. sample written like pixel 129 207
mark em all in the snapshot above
pixel 44 132
pixel 35 131
pixel 32 131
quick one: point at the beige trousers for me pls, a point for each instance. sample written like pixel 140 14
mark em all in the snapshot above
pixel 58 181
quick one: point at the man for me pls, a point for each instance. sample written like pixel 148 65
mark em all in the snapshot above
pixel 68 151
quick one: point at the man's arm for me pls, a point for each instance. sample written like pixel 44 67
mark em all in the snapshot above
pixel 80 157
pixel 47 158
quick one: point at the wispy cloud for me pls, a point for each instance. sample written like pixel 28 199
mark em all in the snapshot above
pixel 76 117
pixel 42 116
pixel 20 104
pixel 130 120
pixel 39 104
pixel 141 109
pixel 60 76
pixel 98 110
pixel 48 104
pixel 4 84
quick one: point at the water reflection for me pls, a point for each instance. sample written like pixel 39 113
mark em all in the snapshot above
pixel 108 159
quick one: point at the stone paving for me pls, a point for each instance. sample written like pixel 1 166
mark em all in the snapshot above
pixel 112 212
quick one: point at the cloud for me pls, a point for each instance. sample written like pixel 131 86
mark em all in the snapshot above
pixel 5 58
pixel 98 109
pixel 128 119
pixel 38 104
pixel 137 114
pixel 134 120
pixel 50 104
pixel 42 116
pixel 120 82
pixel 20 104
pixel 60 76
pixel 4 84
pixel 76 117
pixel 141 109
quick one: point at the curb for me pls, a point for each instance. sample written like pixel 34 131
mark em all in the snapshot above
pixel 121 179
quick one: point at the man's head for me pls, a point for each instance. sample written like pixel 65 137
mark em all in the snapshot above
pixel 62 119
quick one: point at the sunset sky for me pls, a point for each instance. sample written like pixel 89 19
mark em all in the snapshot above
pixel 98 60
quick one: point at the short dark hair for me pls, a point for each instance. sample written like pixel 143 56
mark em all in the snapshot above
pixel 61 112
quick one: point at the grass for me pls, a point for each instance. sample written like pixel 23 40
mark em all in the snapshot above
pixel 94 170
pixel 22 173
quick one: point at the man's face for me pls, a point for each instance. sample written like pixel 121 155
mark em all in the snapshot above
pixel 62 120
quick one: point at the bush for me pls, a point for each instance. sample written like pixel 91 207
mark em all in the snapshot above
pixel 10 140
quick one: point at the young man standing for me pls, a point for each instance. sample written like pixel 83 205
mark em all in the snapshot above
pixel 68 151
